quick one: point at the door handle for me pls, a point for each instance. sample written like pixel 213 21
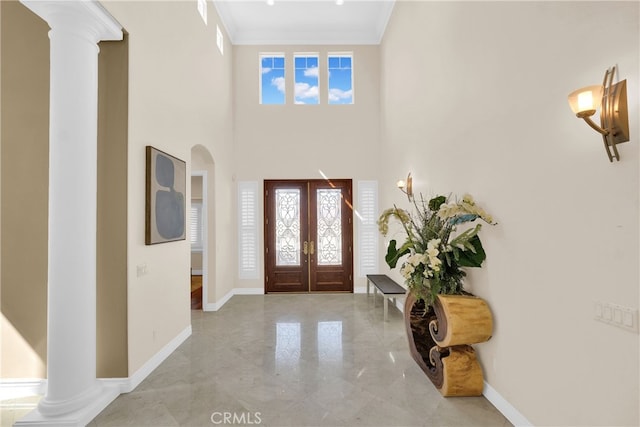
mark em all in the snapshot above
pixel 312 248
pixel 305 248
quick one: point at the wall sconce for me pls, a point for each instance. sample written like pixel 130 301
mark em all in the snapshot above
pixel 612 99
pixel 406 186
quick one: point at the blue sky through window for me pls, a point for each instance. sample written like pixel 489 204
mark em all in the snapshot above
pixel 272 79
pixel 340 79
pixel 306 79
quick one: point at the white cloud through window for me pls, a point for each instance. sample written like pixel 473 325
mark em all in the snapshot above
pixel 304 91
pixel 312 72
pixel 338 94
pixel 279 83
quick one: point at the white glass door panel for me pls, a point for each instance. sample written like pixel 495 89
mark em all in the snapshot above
pixel 287 217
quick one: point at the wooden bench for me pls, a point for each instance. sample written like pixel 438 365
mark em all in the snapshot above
pixel 387 287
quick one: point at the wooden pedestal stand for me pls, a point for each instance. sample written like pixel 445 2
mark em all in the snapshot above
pixel 440 337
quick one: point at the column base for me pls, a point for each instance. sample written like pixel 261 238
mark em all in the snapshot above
pixel 89 405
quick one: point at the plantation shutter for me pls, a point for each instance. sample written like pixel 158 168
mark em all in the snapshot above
pixel 196 225
pixel 248 230
pixel 368 231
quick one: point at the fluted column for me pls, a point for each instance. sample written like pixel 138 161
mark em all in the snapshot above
pixel 76 29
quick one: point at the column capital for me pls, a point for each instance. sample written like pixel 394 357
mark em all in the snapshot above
pixel 86 15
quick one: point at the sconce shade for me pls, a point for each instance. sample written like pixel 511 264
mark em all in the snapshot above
pixel 406 186
pixel 614 117
pixel 584 102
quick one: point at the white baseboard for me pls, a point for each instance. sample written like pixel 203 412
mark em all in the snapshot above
pixel 248 291
pixel 512 414
pixel 360 290
pixel 196 272
pixel 22 387
pixel 215 306
pixel 210 306
pixel 134 380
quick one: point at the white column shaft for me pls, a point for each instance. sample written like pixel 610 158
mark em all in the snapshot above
pixel 72 215
pixel 76 28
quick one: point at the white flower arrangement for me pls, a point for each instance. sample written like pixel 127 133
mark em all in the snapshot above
pixel 437 252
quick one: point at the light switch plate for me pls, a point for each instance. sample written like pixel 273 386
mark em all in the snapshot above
pixel 617 315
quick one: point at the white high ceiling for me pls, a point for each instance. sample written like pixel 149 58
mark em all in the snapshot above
pixel 296 22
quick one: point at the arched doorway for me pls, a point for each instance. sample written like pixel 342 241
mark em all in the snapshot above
pixel 202 227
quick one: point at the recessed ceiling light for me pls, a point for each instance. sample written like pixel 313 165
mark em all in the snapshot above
pixel 339 2
pixel 270 2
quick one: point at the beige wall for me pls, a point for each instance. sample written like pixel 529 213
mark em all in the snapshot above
pixel 111 287
pixel 179 96
pixel 297 141
pixel 24 170
pixel 474 100
pixel 196 186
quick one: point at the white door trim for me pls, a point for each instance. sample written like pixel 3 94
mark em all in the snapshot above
pixel 205 236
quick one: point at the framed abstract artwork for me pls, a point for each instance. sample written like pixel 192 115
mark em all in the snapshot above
pixel 165 203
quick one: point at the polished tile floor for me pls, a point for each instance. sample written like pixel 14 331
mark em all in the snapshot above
pixel 11 410
pixel 294 360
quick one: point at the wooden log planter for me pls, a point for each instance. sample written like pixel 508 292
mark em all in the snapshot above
pixel 440 337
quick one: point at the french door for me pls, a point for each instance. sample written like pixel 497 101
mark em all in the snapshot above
pixel 308 236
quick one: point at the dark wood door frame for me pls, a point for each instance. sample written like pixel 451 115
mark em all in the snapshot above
pixel 285 278
pixel 310 273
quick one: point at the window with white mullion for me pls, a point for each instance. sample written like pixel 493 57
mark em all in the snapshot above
pixel 272 79
pixel 340 72
pixel 306 78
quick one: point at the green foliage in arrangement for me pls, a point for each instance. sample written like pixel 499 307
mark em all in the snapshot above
pixel 436 252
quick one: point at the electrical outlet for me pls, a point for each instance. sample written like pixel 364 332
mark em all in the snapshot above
pixel 617 315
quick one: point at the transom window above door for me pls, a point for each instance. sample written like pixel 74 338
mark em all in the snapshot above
pixel 306 78
pixel 272 79
pixel 340 78
pixel 310 71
